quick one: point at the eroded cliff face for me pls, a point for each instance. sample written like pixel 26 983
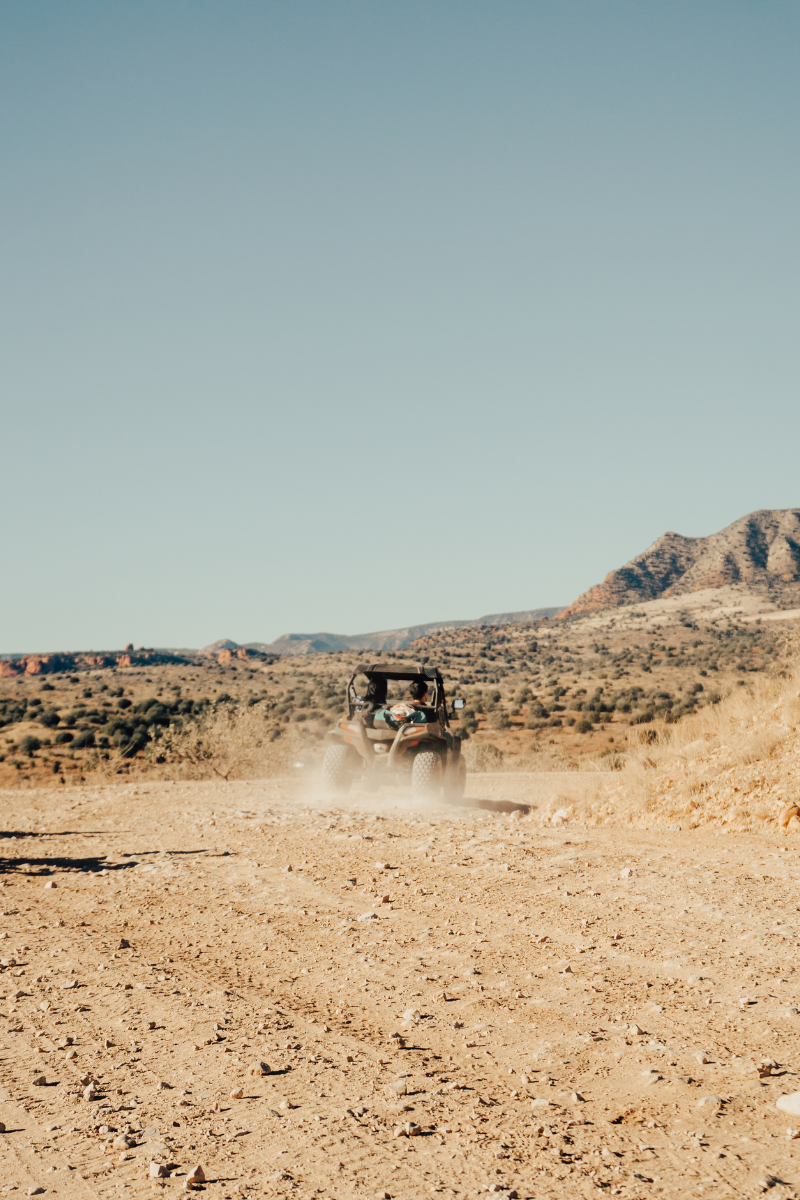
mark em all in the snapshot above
pixel 761 548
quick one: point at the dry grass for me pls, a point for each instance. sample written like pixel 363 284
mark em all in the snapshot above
pixel 735 766
pixel 230 741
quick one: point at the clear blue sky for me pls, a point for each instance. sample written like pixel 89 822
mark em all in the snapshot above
pixel 341 316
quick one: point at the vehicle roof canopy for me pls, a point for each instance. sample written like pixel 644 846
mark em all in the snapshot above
pixel 401 671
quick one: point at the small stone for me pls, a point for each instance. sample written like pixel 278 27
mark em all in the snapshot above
pixel 368 916
pixel 50 884
pixel 195 1176
pixel 158 1171
pixel 411 1014
pixel 237 1094
pixel 789 1103
pixel 709 1102
pixel 576 1098
pixel 89 1092
pixel 124 944
pixel 122 1158
pixel 382 1196
pixel 36 1191
pixel 39 1081
pixel 792 1012
pixel 163 1086
pixel 408 1129
pixel 260 1068
pixel 398 1088
pixel 123 1141
pixel 381 866
pixel 626 873
pixel 2 1127
pixel 636 1030
pixel 567 970
pixel 702 1057
pixel 71 1053
pixel 151 1024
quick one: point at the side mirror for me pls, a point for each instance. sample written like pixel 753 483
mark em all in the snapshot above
pixel 459 703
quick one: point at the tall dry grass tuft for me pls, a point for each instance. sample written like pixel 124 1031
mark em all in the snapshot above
pixel 735 765
pixel 229 741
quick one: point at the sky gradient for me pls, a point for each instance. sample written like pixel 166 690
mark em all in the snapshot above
pixel 344 316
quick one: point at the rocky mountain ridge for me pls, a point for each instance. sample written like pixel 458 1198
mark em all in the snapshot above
pixel 761 550
pixel 386 639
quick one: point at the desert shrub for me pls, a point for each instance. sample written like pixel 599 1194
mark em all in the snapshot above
pixel 227 741
pixel 584 725
pixel 484 757
pixel 49 718
pixel 63 737
pixel 84 739
pixel 47 687
pixel 29 745
pixel 499 720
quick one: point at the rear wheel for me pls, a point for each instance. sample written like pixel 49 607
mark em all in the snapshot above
pixel 455 779
pixel 338 768
pixel 426 773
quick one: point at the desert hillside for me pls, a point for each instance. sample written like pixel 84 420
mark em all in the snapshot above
pixel 761 550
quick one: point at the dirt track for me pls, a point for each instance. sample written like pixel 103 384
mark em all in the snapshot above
pixel 515 962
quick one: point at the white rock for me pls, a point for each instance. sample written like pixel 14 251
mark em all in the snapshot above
pixel 237 1094
pixel 158 1171
pixel 398 1088
pixel 626 873
pixel 709 1102
pixel 793 1012
pixel 636 1030
pixel 789 1103
pixel 196 1175
pixel 368 916
pixel 50 884
pixel 411 1014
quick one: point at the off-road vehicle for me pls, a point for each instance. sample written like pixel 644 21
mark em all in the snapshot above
pixel 390 745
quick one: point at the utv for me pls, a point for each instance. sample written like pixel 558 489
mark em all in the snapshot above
pixel 392 741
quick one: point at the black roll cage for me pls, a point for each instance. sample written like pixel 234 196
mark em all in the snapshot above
pixel 430 676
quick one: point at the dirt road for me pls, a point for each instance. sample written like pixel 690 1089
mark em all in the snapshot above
pixel 546 1012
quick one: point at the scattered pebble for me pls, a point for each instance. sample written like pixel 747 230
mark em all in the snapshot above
pixel 260 1068
pixel 237 1094
pixel 157 1171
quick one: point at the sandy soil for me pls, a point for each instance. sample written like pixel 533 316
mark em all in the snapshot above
pixel 548 1012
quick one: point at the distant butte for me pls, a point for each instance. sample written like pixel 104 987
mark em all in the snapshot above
pixel 762 550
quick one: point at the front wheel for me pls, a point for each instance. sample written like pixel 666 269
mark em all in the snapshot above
pixel 338 767
pixel 426 773
pixel 455 779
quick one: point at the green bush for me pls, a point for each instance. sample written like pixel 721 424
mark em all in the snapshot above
pixel 584 725
pixel 63 737
pixel 29 745
pixel 84 739
pixel 49 718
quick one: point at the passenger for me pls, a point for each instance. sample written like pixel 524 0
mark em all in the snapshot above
pixel 417 693
pixel 411 707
